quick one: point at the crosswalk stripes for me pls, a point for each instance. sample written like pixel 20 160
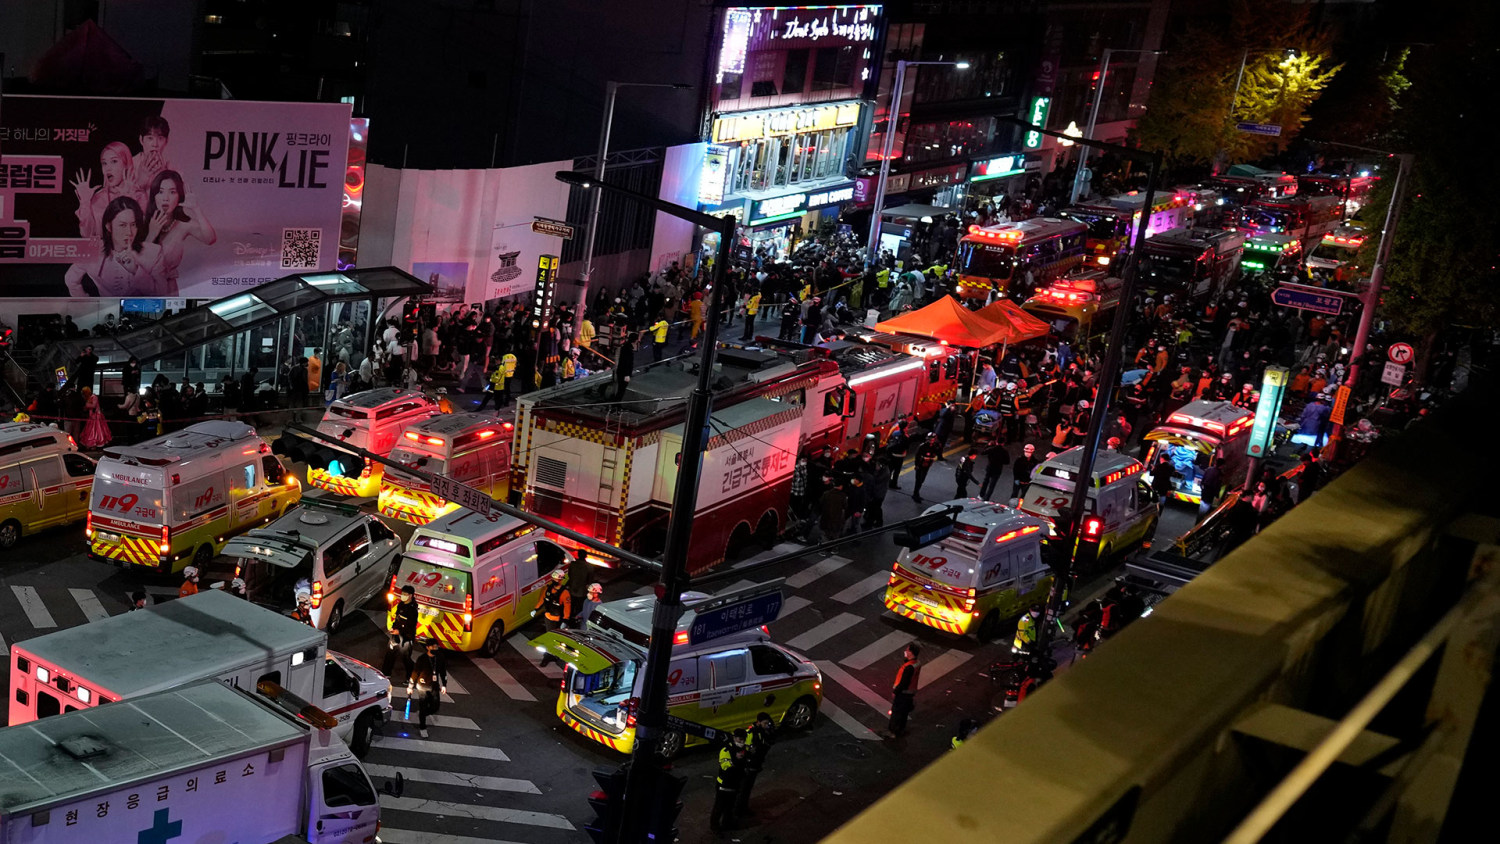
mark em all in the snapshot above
pixel 450 778
pixel 852 684
pixel 504 679
pixel 403 745
pixel 31 604
pixel 942 664
pixel 791 605
pixel 475 811
pixel 92 608
pixel 456 722
pixel 523 645
pixel 823 632
pixel 850 724
pixel 827 565
pixel 877 650
pixel 390 835
pixel 4 648
pixel 863 588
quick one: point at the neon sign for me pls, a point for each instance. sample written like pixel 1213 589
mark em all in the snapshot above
pixel 1038 115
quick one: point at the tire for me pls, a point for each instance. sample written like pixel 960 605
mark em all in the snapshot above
pixel 737 540
pixel 202 556
pixel 671 745
pixel 988 626
pixel 493 640
pixel 335 618
pixel 766 532
pixel 10 532
pixel 364 729
pixel 800 715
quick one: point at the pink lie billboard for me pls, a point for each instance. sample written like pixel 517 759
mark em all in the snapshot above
pixel 167 198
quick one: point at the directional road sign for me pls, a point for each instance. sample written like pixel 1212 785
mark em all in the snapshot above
pixel 1272 129
pixel 553 228
pixel 1401 353
pixel 736 611
pixel 461 494
pixel 1307 299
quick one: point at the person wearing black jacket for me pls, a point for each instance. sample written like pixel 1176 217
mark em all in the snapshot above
pixel 1021 470
pixel 896 446
pixel 403 633
pixel 996 457
pixel 903 691
pixel 928 453
pixel 758 741
pixel 428 682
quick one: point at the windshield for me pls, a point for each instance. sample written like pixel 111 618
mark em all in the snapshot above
pixel 986 260
pixel 432 581
pixel 1261 217
pixel 1171 266
pixel 1101 226
pixel 126 501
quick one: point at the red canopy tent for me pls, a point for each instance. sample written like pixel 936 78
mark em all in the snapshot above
pixel 947 320
pixel 1019 325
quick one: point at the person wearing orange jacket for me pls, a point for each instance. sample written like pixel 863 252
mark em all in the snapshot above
pixel 556 606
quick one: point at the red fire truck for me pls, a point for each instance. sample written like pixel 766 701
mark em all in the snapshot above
pixel 938 378
pixel 608 468
pixel 1306 218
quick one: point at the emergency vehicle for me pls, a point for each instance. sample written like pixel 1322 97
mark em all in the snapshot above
pixel 1202 434
pixel 989 569
pixel 477 578
pixel 1125 506
pixel 1076 302
pixel 1272 253
pixel 44 481
pixel 609 469
pixel 473 448
pixel 372 420
pixel 942 371
pixel 1112 221
pixel 1196 263
pixel 1239 191
pixel 180 497
pixel 1339 248
pixel 1011 259
pixel 1353 191
pixel 1306 218
pixel 722 683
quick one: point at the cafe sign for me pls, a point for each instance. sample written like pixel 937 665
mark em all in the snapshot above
pixel 758 125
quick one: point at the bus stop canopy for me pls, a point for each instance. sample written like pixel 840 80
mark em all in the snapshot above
pixel 946 320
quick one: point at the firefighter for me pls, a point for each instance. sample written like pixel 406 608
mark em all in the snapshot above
pixel 189 582
pixel 428 682
pixel 758 741
pixel 303 610
pixel 1026 632
pixel 556 607
pixel 731 774
pixel 965 473
pixel 403 633
pixel 928 453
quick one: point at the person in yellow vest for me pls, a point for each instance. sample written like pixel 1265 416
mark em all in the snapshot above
pixel 659 335
pixel 586 333
pixel 752 307
pixel 569 369
pixel 1026 632
pixel 509 362
pixel 695 314
pixel 495 389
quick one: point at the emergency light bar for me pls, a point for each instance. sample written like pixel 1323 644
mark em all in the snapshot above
pixel 1121 473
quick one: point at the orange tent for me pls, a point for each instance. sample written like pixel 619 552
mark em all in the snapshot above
pixel 1019 326
pixel 947 320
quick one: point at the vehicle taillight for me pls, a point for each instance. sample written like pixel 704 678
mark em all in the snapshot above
pixel 88 526
pixel 969 601
pixel 238 569
pixel 630 707
pixel 365 472
pixel 390 594
pixel 72 442
pixel 469 613
pixel 892 581
pixel 317 594
pixel 166 539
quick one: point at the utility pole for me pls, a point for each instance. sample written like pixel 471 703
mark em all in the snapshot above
pixel 1083 151
pixel 888 146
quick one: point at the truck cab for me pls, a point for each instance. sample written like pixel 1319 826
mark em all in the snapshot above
pixel 372 420
pixel 989 569
pixel 1126 506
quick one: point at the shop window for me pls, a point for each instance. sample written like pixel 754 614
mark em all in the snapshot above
pixel 729 86
pixel 794 73
pixel 832 68
pixel 763 88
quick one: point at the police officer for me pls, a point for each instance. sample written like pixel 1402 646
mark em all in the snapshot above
pixel 403 633
pixel 556 608
pixel 731 774
pixel 758 741
pixel 429 681
pixel 1026 632
pixel 903 691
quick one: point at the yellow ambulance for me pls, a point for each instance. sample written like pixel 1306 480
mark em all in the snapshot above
pixel 179 498
pixel 372 420
pixel 1120 511
pixel 44 481
pixel 989 569
pixel 477 578
pixel 473 448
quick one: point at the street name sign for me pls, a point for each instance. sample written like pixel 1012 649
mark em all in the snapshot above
pixel 1271 129
pixel 461 494
pixel 733 612
pixel 553 228
pixel 1307 299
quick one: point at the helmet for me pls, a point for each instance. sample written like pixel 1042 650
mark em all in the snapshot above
pixel 1083 405
pixel 304 596
pixel 237 584
pixel 190 572
pixel 596 589
pixel 557 574
pixel 442 391
pixel 1248 387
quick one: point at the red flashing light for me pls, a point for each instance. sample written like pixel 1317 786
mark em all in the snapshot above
pixel 680 637
pixel 88 526
pixel 484 435
pixel 413 437
pixel 508 426
pixel 1093 526
pixel 434 441
pixel 1006 537
pixel 469 612
pixel 166 539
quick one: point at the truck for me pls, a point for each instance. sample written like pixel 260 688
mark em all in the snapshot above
pixel 1079 304
pixel 1306 218
pixel 213 635
pixel 608 468
pixel 1194 262
pixel 1112 221
pixel 203 762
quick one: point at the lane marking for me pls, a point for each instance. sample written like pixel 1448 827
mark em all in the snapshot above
pixel 456 722
pixel 864 588
pixel 838 716
pixel 4 648
pixel 31 604
pixel 475 811
pixel 401 744
pixel 502 678
pixel 879 649
pixel 92 608
pixel 852 685
pixel 944 663
pixel 825 631
pixel 409 836
pixel 450 778
pixel 525 648
pixel 824 566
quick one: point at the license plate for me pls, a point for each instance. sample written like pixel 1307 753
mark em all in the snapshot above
pixel 104 536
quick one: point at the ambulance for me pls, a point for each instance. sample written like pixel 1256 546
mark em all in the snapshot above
pixel 470 447
pixel 1271 253
pixel 1202 434
pixel 179 498
pixel 721 684
pixel 44 481
pixel 372 420
pixel 1077 304
pixel 1124 507
pixel 477 578
pixel 989 569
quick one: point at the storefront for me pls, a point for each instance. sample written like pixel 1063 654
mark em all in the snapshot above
pixel 996 178
pixel 779 222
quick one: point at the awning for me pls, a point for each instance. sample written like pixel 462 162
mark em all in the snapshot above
pixel 917 211
pixel 1019 326
pixel 947 320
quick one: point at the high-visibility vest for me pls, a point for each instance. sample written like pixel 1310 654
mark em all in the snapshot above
pixel 660 328
pixel 509 361
pixel 753 305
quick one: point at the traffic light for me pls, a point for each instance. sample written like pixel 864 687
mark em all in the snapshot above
pixel 925 530
pixel 661 821
pixel 608 804
pixel 317 456
pixel 1090 531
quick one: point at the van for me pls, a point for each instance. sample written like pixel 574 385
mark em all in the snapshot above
pixel 722 683
pixel 477 578
pixel 44 481
pixel 345 556
pixel 178 498
pixel 1119 496
pixel 473 448
pixel 989 569
pixel 372 420
pixel 1202 434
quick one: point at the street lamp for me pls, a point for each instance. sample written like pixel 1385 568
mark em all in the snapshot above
pixel 1083 153
pixel 892 117
pixel 612 89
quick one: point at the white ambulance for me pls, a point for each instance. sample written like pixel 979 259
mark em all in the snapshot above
pixel 472 448
pixel 372 420
pixel 178 498
pixel 44 481
pixel 1124 506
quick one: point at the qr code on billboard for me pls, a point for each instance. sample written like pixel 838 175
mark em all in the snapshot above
pixel 300 248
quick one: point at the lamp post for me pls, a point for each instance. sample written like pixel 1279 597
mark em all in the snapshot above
pixel 1083 153
pixel 651 719
pixel 892 117
pixel 612 90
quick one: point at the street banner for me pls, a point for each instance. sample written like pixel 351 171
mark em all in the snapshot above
pixel 163 198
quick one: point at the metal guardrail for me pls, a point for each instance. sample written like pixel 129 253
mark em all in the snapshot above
pixel 1319 683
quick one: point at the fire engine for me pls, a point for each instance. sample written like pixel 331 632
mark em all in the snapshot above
pixel 608 468
pixel 1112 221
pixel 944 368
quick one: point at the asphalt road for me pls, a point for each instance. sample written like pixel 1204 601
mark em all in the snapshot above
pixel 500 766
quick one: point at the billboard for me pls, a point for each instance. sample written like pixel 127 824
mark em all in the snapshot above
pixel 167 198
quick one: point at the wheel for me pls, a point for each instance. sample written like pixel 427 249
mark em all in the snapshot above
pixel 335 617
pixel 364 728
pixel 9 533
pixel 493 639
pixel 671 745
pixel 202 556
pixel 799 716
pixel 738 540
pixel 988 626
pixel 765 532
